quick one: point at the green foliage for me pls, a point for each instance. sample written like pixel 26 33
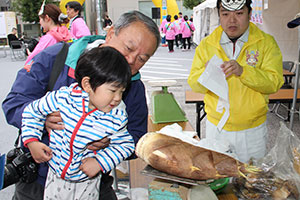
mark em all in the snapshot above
pixel 190 4
pixel 29 9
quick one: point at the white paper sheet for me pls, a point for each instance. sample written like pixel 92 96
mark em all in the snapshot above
pixel 174 130
pixel 213 78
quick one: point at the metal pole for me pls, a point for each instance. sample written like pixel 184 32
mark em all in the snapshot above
pixel 295 87
pixel 164 10
pixel 293 109
pixel 100 13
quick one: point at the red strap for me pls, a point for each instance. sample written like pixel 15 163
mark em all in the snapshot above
pixel 71 72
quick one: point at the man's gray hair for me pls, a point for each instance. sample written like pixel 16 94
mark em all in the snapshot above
pixel 135 16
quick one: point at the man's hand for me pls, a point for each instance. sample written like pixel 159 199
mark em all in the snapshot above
pixel 99 144
pixel 54 121
pixel 39 151
pixel 90 167
pixel 231 67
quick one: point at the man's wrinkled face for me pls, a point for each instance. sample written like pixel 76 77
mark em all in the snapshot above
pixel 135 42
pixel 234 23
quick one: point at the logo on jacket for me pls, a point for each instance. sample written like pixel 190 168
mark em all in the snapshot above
pixel 251 57
pixel 28 66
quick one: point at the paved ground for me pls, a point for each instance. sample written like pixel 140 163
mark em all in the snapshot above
pixel 8 134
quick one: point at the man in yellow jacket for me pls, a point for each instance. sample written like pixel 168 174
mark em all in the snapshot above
pixel 252 64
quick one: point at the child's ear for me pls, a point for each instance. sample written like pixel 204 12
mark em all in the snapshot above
pixel 85 83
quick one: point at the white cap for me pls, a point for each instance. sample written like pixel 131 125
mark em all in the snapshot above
pixel 233 5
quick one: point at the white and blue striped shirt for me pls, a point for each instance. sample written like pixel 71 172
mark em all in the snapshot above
pixel 81 128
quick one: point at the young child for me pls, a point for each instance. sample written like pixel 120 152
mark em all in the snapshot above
pixel 91 109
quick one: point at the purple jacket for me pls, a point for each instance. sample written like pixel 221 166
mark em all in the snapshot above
pixel 186 27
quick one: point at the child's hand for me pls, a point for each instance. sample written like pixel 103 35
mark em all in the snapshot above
pixel 90 167
pixel 39 151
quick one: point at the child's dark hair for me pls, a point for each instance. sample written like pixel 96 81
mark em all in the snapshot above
pixel 186 18
pixel 168 18
pixel 103 65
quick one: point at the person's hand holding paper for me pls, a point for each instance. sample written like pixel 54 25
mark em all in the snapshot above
pixel 231 67
pixel 213 78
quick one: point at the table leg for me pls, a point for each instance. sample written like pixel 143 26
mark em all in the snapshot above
pixel 199 117
pixel 198 123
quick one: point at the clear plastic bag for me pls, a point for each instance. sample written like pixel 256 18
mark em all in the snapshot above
pixel 279 177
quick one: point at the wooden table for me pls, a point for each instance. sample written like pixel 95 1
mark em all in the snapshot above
pixel 288 77
pixel 282 96
pixel 198 99
pixel 287 73
pixel 136 165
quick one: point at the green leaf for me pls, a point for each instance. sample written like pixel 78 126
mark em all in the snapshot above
pixel 29 9
pixel 190 4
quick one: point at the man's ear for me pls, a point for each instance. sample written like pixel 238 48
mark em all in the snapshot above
pixel 250 14
pixel 85 84
pixel 110 33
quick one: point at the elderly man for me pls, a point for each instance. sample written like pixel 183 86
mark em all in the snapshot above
pixel 252 65
pixel 137 37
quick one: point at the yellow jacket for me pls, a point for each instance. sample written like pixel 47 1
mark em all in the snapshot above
pixel 261 60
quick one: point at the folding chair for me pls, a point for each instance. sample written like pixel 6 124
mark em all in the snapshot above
pixel 17 50
pixel 289 66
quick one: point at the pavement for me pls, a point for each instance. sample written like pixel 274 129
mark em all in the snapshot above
pixel 8 133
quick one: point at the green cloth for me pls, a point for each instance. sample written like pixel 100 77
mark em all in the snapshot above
pixel 76 49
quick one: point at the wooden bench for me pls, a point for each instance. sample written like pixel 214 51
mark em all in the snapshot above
pixel 282 96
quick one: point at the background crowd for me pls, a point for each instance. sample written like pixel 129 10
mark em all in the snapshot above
pixel 180 31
